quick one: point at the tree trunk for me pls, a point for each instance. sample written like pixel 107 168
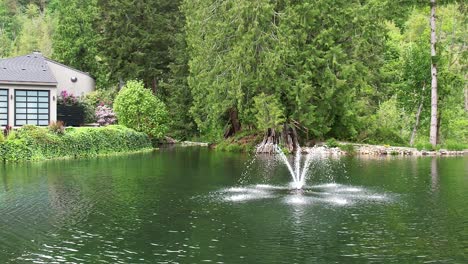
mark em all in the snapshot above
pixel 439 114
pixel 288 141
pixel 235 125
pixel 154 86
pixel 295 139
pixel 434 98
pixel 418 115
pixel 270 140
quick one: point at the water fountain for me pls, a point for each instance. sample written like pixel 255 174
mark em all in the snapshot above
pixel 299 173
pixel 297 192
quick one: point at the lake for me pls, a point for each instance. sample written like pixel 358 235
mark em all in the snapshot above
pixel 194 205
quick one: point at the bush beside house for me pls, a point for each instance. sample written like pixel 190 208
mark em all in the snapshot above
pixel 70 109
pixel 138 108
pixel 37 143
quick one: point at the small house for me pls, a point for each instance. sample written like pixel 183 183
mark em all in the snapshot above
pixel 29 86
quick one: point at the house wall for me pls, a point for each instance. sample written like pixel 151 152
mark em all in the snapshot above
pixel 11 99
pixel 63 74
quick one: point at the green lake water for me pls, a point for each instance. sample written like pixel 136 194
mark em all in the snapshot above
pixel 193 205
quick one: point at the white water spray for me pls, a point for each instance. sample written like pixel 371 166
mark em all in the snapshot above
pixel 298 174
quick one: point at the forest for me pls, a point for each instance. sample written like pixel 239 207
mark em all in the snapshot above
pixel 353 70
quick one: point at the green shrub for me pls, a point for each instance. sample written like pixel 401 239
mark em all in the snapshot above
pixel 386 136
pixel 101 96
pixel 57 127
pixel 89 112
pixel 332 143
pixel 136 107
pixel 37 143
pixel 11 135
pixel 454 145
pixel 424 146
pixel 349 148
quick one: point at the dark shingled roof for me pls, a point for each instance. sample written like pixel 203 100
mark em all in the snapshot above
pixel 32 68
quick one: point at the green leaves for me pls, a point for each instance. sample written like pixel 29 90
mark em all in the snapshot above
pixel 38 143
pixel 136 107
pixel 268 111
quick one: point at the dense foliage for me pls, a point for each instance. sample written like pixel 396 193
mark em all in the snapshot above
pixel 347 69
pixel 138 108
pixel 37 143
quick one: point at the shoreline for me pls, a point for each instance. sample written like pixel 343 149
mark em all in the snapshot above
pixel 379 150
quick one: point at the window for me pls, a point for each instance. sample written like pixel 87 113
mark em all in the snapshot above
pixel 3 107
pixel 31 107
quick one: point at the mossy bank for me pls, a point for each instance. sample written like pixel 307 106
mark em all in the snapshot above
pixel 31 143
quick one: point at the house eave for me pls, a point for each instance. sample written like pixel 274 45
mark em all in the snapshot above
pixel 28 83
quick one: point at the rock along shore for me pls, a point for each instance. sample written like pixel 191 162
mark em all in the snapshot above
pixel 377 150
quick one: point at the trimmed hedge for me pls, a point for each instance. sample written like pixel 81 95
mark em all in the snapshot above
pixel 37 143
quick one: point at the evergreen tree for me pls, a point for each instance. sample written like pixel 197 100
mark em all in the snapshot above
pixel 76 36
pixel 135 37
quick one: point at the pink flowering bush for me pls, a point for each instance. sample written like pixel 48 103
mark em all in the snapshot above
pixel 105 115
pixel 66 98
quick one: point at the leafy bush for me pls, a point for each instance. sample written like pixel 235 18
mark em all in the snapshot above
pixel 387 126
pixel 70 109
pixel 455 145
pixel 105 115
pixel 57 127
pixel 332 143
pixel 66 98
pixel 136 107
pixel 348 148
pixel 100 96
pixel 37 143
pixel 424 146
pixel 89 112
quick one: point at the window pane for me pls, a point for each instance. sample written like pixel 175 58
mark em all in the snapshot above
pixel 3 116
pixel 4 98
pixel 3 92
pixel 3 104
pixel 32 107
pixel 3 122
pixel 3 110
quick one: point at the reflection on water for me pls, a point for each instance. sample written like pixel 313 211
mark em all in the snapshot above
pixel 192 206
